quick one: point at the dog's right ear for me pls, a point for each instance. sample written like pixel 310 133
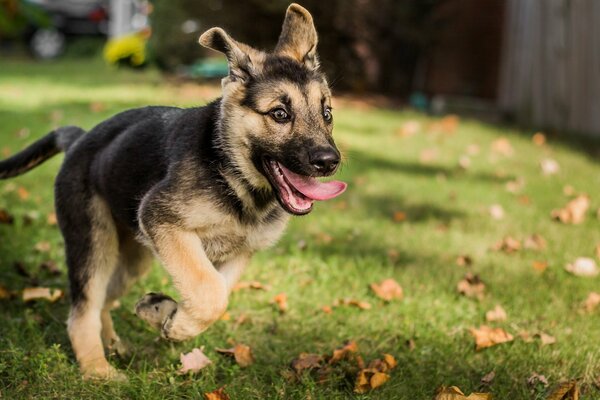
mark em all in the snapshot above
pixel 239 56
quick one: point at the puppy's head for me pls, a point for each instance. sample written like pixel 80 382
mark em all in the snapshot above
pixel 276 113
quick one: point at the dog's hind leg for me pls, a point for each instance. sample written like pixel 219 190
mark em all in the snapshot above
pixel 134 261
pixel 92 251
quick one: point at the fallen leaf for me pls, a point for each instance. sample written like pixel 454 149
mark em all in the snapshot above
pixel 250 285
pixel 568 190
pixel 6 218
pixel 281 301
pixel 97 106
pixel 388 290
pixel 306 361
pixel 592 301
pixel 539 139
pixel 368 379
pixel 496 211
pixel 508 245
pixel 549 166
pixel 565 391
pixel 464 260
pixel 351 347
pixel 471 286
pixel 515 186
pixel 327 309
pixel 41 293
pixel 488 378
pixel 486 336
pixel 193 361
pixel 540 265
pixel 22 193
pixel 574 212
pixel 598 251
pixel 363 305
pixel 536 378
pixel 226 316
pixel 399 216
pixel 409 128
pixel 43 247
pixel 546 339
pixel 4 293
pixel 583 266
pixel 218 394
pixel 51 219
pixel 454 393
pixel 534 242
pixel 526 336
pixel 496 315
pixel 502 147
pixel 241 353
pixel 51 267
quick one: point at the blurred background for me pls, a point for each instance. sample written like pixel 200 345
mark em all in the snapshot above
pixel 535 62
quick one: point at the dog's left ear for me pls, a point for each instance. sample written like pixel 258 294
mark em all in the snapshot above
pixel 298 38
pixel 242 59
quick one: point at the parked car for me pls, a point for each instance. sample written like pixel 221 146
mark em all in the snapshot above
pixel 68 18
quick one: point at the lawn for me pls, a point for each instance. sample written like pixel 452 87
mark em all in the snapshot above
pixel 419 197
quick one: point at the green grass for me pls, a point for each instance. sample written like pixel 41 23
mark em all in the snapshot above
pixel 335 252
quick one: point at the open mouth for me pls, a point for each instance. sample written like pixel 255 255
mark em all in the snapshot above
pixel 295 192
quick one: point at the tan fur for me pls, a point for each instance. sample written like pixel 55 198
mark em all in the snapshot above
pixel 298 38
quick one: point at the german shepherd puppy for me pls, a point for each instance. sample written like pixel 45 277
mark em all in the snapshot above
pixel 201 188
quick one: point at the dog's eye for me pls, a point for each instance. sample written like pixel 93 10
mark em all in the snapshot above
pixel 280 115
pixel 327 114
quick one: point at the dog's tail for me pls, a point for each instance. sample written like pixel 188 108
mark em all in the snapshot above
pixel 53 143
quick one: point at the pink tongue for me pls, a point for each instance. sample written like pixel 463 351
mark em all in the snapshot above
pixel 312 188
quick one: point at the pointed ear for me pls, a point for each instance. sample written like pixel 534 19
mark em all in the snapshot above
pixel 298 38
pixel 239 56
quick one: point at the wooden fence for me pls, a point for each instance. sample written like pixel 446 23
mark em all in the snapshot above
pixel 550 73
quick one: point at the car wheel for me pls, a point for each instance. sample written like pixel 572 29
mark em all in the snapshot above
pixel 47 43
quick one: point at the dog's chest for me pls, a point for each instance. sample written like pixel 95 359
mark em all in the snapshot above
pixel 223 241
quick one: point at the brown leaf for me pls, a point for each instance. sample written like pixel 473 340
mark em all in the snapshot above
pixel 409 128
pixel 486 336
pixel 281 301
pixel 536 378
pixel 241 353
pixel 568 190
pixel 583 266
pixel 540 265
pixel 218 394
pixel 350 347
pixel 471 286
pixel 97 106
pixel 51 267
pixel 43 247
pixel 193 361
pixel 574 212
pixel 546 339
pixel 598 251
pixel 534 242
pixel 51 219
pixel 539 139
pixel 399 216
pixel 508 245
pixel 454 393
pixel 369 379
pixel 495 315
pixel 363 305
pixel 22 193
pixel 488 378
pixel 250 285
pixel 390 360
pixel 306 361
pixel 41 293
pixel 5 294
pixel 388 290
pixel 6 218
pixel 464 260
pixel 502 147
pixel 592 301
pixel 327 309
pixel 565 391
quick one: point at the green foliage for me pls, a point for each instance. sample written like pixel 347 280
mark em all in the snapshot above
pixel 16 15
pixel 446 210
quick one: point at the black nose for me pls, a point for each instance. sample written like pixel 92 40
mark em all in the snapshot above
pixel 324 160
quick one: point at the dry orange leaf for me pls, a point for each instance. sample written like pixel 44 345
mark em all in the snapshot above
pixel 218 394
pixel 454 393
pixel 327 309
pixel 409 128
pixel 539 139
pixel 43 247
pixel 464 260
pixel 399 216
pixel 193 361
pixel 6 218
pixel 546 339
pixel 486 336
pixel 388 290
pixel 583 266
pixel 41 293
pixel 242 354
pixel 350 347
pixel 574 212
pixel 598 251
pixel 471 286
pixel 368 379
pixel 281 301
pixel 495 315
pixel 502 147
pixel 508 245
pixel 250 285
pixel 534 242
pixel 540 265
pixel 306 361
pixel 592 301
pixel 51 219
pixel 363 305
pixel 22 193
pixel 565 391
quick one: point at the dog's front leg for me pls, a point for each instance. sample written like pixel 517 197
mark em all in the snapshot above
pixel 203 290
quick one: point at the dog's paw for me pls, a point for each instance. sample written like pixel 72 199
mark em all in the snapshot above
pixel 156 309
pixel 104 373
